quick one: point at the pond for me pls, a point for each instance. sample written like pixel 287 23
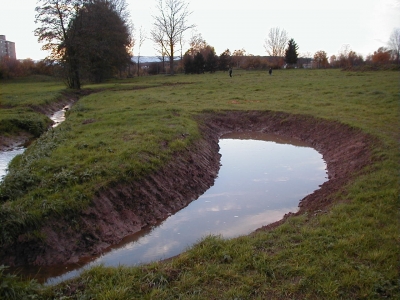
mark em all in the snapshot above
pixel 262 177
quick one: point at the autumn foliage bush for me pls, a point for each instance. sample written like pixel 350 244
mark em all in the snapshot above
pixel 13 68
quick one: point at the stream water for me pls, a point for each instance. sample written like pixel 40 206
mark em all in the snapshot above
pixel 7 156
pixel 59 116
pixel 262 177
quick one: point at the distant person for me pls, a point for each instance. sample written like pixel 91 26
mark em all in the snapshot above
pixel 270 71
pixel 230 72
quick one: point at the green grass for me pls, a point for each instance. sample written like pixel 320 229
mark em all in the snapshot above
pixel 19 97
pixel 30 91
pixel 120 134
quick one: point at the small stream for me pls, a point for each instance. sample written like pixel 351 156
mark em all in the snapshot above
pixel 262 178
pixel 7 156
pixel 59 116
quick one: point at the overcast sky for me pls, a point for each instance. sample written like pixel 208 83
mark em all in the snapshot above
pixel 315 25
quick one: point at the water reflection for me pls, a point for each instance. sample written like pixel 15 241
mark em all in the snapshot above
pixel 59 116
pixel 6 157
pixel 262 177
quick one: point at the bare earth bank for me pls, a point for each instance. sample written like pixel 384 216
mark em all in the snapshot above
pixel 127 207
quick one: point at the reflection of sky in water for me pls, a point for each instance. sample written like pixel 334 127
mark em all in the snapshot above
pixel 257 184
pixel 6 157
pixel 59 116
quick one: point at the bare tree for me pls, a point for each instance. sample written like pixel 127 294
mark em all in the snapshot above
pixel 197 42
pixel 121 7
pixel 170 25
pixel 181 42
pixel 53 17
pixel 238 56
pixel 157 37
pixel 142 38
pixel 394 43
pixel 276 42
pixel 306 58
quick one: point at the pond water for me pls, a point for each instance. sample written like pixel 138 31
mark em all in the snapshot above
pixel 262 178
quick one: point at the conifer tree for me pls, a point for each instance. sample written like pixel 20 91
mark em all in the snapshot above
pixel 291 54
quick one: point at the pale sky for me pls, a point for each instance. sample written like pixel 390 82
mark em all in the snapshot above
pixel 364 25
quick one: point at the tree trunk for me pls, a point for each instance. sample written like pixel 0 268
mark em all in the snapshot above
pixel 72 66
pixel 138 66
pixel 77 85
pixel 73 77
pixel 171 65
pixel 171 59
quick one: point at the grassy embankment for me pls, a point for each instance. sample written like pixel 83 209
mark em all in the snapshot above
pixel 118 135
pixel 17 99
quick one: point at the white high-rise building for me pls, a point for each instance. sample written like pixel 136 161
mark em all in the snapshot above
pixel 7 48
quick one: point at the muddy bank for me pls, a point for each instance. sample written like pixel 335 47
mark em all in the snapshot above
pixel 346 150
pixel 11 142
pixel 126 207
pixel 66 98
pixel 23 138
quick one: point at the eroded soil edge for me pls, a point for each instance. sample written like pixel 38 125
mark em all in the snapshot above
pixel 127 207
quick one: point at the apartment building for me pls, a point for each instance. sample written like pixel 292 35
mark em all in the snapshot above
pixel 7 48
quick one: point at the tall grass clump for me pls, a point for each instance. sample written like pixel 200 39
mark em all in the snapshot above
pixel 14 288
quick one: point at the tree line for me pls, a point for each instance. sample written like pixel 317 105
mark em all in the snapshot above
pixel 201 57
pixel 93 40
pixel 12 68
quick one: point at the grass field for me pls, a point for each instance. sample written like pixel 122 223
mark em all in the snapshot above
pixel 115 135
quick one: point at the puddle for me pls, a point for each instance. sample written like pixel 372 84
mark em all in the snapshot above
pixel 262 178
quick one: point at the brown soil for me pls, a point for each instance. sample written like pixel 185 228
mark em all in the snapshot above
pixel 127 207
pixel 15 141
